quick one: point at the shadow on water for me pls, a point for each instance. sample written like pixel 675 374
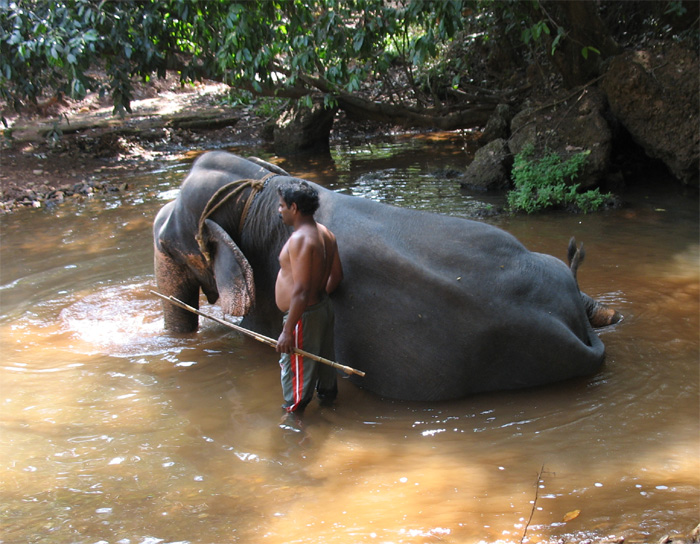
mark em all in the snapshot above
pixel 113 431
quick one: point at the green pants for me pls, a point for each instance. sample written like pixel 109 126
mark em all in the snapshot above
pixel 300 376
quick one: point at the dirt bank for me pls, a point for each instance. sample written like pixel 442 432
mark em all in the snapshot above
pixel 91 143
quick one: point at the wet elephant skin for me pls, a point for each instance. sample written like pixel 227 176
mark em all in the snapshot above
pixel 431 308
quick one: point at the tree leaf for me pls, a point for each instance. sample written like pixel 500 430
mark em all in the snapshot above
pixel 571 515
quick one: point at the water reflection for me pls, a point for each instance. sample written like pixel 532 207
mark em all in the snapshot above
pixel 113 431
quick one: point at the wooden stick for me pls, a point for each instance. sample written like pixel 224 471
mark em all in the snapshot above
pixel 261 338
pixel 534 503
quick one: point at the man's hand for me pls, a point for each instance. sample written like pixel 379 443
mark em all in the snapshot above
pixel 285 343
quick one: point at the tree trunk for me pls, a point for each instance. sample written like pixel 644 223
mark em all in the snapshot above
pixel 469 116
pixel 585 29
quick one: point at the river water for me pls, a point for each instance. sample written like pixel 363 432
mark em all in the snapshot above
pixel 114 432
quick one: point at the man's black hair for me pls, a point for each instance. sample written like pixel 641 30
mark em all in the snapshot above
pixel 300 193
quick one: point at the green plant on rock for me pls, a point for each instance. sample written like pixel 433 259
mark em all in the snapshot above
pixel 545 182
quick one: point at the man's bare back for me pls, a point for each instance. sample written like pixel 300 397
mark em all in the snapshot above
pixel 309 268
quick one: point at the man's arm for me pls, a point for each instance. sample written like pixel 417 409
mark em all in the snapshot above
pixel 300 258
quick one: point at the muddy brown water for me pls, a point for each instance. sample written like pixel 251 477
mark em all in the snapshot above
pixel 114 432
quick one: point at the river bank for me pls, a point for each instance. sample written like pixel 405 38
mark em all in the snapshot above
pixel 74 149
pixel 90 146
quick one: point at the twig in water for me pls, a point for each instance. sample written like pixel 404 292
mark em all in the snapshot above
pixel 534 503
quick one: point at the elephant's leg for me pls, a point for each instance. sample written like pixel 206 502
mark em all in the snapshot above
pixel 175 279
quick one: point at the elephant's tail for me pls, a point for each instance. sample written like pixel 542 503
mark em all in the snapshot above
pixel 599 315
pixel 575 256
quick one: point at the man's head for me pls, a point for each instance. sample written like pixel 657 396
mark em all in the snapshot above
pixel 300 193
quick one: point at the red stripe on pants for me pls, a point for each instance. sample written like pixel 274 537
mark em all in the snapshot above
pixel 297 365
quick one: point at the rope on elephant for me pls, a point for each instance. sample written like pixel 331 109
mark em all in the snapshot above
pixel 223 195
pixel 256 189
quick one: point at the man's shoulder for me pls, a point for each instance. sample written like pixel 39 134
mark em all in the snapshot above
pixel 301 237
pixel 326 231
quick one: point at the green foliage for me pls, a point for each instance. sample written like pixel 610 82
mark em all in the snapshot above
pixel 545 182
pixel 53 45
pixel 586 50
pixel 264 106
pixel 537 31
pixel 534 32
pixel 283 47
pixel 676 7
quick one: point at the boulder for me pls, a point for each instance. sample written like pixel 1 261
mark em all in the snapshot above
pixel 303 128
pixel 567 126
pixel 490 169
pixel 498 125
pixel 654 94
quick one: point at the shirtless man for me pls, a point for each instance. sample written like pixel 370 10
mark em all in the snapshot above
pixel 310 269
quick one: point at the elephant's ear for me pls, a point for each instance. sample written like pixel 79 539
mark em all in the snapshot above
pixel 232 272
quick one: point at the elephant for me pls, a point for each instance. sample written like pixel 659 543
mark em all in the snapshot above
pixel 431 307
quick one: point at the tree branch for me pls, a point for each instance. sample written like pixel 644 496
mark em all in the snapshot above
pixel 468 117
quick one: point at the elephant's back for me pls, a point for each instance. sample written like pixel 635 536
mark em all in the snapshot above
pixel 213 170
pixel 374 236
pixel 438 307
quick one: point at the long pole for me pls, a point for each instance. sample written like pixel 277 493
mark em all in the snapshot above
pixel 261 338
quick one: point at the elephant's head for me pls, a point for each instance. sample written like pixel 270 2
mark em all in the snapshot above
pixel 181 268
pixel 194 246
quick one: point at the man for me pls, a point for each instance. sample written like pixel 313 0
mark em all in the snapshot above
pixel 310 269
